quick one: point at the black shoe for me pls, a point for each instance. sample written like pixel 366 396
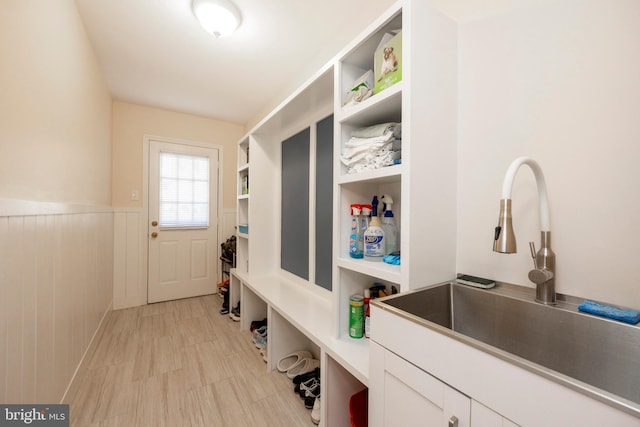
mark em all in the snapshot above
pixel 304 377
pixel 257 324
pixel 235 313
pixel 224 310
pixel 311 396
pixel 304 386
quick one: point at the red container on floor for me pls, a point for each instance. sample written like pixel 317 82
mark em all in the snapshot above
pixel 359 408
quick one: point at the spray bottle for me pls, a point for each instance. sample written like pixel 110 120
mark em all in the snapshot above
pixel 356 240
pixel 374 244
pixel 388 224
pixel 365 217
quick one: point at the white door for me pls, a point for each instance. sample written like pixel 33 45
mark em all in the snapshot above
pixel 183 221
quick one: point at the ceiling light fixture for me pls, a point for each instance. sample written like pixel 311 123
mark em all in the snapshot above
pixel 219 18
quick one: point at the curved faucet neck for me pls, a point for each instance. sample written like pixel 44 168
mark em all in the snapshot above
pixel 543 200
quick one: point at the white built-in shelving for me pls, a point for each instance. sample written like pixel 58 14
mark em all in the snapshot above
pixel 301 314
pixel 423 185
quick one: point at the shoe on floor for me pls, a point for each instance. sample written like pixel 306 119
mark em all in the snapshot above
pixel 260 332
pixel 290 360
pixel 307 385
pixel 311 396
pixel 260 342
pixel 235 313
pixel 257 324
pixel 315 412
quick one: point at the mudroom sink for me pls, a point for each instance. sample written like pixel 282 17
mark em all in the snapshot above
pixel 585 352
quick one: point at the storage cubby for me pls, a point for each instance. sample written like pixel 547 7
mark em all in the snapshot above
pixel 343 385
pixel 243 216
pixel 354 283
pixel 252 307
pixel 284 339
pixel 361 58
pixel 235 290
pixel 362 192
pixel 243 153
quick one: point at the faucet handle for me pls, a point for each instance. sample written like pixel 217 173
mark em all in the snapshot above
pixel 540 275
pixel 532 247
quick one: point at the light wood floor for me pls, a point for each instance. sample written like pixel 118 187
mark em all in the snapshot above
pixel 181 363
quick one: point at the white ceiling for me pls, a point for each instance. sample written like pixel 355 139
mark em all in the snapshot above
pixel 154 52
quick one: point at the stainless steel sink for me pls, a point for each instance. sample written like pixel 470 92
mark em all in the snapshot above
pixel 594 355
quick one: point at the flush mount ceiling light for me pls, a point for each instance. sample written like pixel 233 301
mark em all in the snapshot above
pixel 219 18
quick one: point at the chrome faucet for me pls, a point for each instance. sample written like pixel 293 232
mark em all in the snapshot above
pixel 544 260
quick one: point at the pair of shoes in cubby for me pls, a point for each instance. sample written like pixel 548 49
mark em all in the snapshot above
pixel 310 391
pixel 297 363
pixel 307 386
pixel 259 337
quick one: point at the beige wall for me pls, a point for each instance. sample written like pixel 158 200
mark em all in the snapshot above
pixel 132 122
pixel 56 268
pixel 557 81
pixel 55 109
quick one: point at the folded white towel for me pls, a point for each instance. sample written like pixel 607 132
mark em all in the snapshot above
pixel 375 130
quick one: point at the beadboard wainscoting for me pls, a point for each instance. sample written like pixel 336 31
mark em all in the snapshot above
pixel 56 285
pixel 130 258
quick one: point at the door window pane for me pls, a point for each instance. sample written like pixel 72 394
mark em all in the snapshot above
pixel 184 190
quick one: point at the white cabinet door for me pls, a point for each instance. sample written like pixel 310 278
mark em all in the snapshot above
pixel 481 416
pixel 402 394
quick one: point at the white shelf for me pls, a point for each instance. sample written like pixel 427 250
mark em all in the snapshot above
pixel 243 168
pixel 243 235
pixel 311 314
pixel 379 269
pixel 384 175
pixel 243 196
pixel 352 354
pixel 380 108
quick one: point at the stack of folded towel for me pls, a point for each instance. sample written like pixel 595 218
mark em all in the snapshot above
pixel 372 147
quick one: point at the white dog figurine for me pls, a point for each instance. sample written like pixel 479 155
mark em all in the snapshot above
pixel 389 63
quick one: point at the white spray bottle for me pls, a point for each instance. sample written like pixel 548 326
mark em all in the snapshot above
pixel 374 245
pixel 388 224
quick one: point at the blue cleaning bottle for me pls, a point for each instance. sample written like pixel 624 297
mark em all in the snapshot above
pixel 356 239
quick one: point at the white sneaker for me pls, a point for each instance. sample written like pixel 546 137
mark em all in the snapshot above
pixel 315 412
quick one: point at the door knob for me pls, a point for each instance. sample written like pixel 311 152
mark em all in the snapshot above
pixel 154 223
pixel 154 234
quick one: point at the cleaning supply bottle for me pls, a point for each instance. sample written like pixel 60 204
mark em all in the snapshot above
pixel 374 244
pixel 365 217
pixel 367 313
pixel 388 224
pixel 356 238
